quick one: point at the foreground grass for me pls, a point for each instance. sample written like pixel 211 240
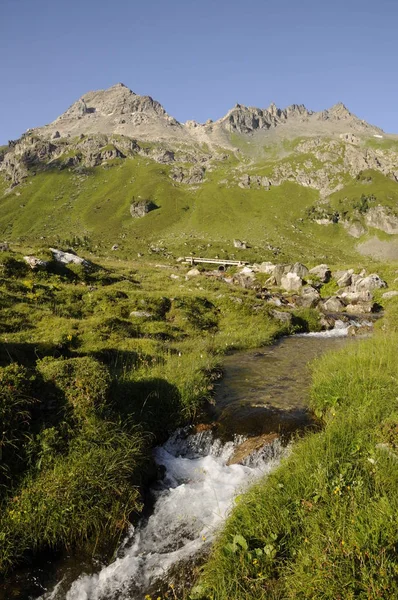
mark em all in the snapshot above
pixel 97 366
pixel 324 524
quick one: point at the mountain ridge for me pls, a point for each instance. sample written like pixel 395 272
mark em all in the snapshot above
pixel 119 110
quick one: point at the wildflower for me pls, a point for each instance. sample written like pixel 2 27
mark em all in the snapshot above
pixel 255 561
pixel 203 539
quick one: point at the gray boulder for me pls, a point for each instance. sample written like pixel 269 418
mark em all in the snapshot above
pixel 333 305
pixel 371 282
pixel 344 278
pixel 309 298
pixel 193 272
pixel 141 208
pixel 322 272
pixel 240 245
pixel 356 297
pixel 362 308
pixel 67 258
pixel 388 295
pixel 291 282
pixel 266 267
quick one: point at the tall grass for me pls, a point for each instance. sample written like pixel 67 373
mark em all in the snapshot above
pixel 324 524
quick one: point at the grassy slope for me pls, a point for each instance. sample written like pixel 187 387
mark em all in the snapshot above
pixel 86 388
pixel 59 205
pixel 324 524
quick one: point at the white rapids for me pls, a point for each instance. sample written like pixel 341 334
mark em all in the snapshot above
pixel 192 501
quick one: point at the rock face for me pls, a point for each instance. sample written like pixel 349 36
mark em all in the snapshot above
pixel 382 218
pixel 140 208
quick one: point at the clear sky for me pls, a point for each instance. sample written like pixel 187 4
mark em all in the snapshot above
pixel 198 58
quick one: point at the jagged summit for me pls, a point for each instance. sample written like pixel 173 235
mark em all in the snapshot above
pixel 119 110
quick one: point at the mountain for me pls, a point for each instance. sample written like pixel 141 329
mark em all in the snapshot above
pixel 118 110
pixel 286 180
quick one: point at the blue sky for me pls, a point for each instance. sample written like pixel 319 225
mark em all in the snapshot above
pixel 198 58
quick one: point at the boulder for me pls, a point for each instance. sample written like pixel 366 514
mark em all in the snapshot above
pixel 35 263
pixel 344 278
pixel 300 270
pixel 388 295
pixel 193 272
pixel 240 245
pixel 322 272
pixel 371 282
pixel 297 268
pixel 141 314
pixel 4 247
pixel 356 297
pixel 361 308
pixel 291 282
pixel 55 135
pixel 115 247
pixel 309 298
pixel 141 208
pixel 67 258
pixel 266 267
pixel 333 305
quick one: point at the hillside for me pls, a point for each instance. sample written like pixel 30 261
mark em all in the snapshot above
pixel 286 181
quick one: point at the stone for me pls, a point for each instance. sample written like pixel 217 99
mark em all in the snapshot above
pixel 115 247
pixel 266 267
pixel 322 272
pixel 333 305
pixel 193 272
pixel 356 297
pixel 4 247
pixel 309 298
pixel 55 135
pixel 141 314
pixel 388 295
pixel 362 308
pixel 371 282
pixel 141 208
pixel 291 282
pixel 240 245
pixel 283 317
pixel 67 258
pixel 344 278
pixel 35 263
pixel 173 276
pixel 300 270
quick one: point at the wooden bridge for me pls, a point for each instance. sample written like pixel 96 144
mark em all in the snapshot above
pixel 193 260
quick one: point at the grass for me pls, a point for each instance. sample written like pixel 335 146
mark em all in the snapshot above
pixel 91 208
pixel 323 524
pixel 87 388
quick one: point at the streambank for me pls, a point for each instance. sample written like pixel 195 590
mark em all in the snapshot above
pixel 198 486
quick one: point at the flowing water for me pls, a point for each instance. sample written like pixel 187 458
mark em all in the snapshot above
pixel 262 391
